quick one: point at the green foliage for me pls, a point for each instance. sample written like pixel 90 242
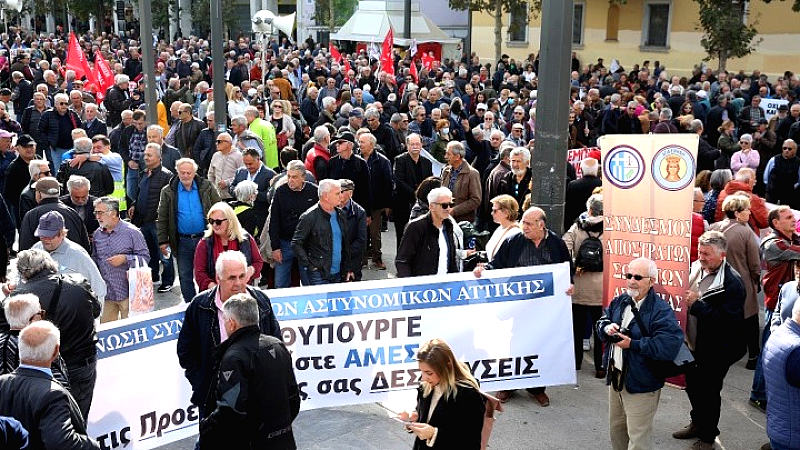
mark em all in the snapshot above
pixel 201 12
pixel 343 10
pixel 505 6
pixel 725 33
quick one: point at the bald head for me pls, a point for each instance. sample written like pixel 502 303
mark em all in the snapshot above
pixel 39 343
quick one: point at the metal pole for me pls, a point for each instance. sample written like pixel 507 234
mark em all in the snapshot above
pixel 217 63
pixel 407 20
pixel 146 48
pixel 468 40
pixel 549 161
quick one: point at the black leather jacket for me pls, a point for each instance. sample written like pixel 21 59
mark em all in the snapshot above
pixel 313 241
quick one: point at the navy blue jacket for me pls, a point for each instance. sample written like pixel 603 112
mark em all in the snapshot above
pixel 511 249
pixel 199 337
pixel 663 343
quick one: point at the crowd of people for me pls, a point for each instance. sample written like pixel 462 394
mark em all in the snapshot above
pixel 318 156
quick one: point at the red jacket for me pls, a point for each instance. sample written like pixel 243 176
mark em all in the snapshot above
pixel 758 209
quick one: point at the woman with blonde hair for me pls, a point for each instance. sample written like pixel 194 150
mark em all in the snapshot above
pixel 224 232
pixel 743 255
pixel 450 407
pixel 505 212
pixel 727 144
pixel 236 102
pixel 281 119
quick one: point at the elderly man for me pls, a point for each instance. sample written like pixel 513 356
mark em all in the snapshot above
pixel 578 191
pixel 118 99
pixel 7 156
pixel 224 164
pixel 254 170
pixel 634 390
pixel 31 117
pixel 255 405
pixel 102 183
pixel 715 299
pixel 203 330
pixel 356 225
pixel 381 187
pixel 409 171
pixel 182 211
pixel 37 168
pixel 309 107
pixel 517 182
pixel 18 175
pixel 266 132
pixel 79 199
pixel 317 158
pixel 117 246
pixel 71 257
pixel 77 308
pixel 291 199
pixel 346 164
pixel 188 130
pixel 93 125
pixel 463 181
pixel 782 175
pixel 433 243
pixel 536 245
pixel 47 192
pixel 32 395
pixel 244 138
pixel 169 154
pixel 144 212
pixel 56 124
pixel 320 242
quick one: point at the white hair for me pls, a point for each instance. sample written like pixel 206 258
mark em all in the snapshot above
pixel 34 350
pixel 434 194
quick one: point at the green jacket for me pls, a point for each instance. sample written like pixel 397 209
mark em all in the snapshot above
pixel 167 208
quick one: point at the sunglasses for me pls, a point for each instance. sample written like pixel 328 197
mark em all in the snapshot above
pixel 222 140
pixel 216 222
pixel 635 277
pixel 788 148
pixel 62 103
pixel 446 205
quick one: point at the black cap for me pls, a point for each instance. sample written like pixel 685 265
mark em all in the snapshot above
pixel 345 136
pixel 25 140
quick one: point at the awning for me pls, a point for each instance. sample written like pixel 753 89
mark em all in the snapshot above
pixel 370 23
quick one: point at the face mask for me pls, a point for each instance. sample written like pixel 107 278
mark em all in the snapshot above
pixel 445 130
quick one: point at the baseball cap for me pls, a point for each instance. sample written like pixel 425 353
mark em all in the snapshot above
pixel 47 185
pixel 345 136
pixel 25 140
pixel 5 91
pixel 481 106
pixel 356 113
pixel 5 134
pixel 50 225
pixel 518 126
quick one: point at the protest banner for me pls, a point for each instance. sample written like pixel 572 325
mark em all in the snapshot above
pixel 771 105
pixel 576 155
pixel 647 204
pixel 351 343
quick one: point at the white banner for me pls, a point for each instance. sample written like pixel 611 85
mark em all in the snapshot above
pixel 351 343
pixel 771 106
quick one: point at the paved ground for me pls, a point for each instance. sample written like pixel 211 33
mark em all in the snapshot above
pixel 576 418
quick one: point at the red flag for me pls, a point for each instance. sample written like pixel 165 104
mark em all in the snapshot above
pixel 104 76
pixel 76 59
pixel 347 67
pixel 427 60
pixel 387 54
pixel 335 53
pixel 413 71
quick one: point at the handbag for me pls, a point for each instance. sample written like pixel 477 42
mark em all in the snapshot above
pixel 140 289
pixel 682 362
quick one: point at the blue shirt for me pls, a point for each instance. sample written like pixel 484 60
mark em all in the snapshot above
pixel 41 369
pixel 191 219
pixel 336 232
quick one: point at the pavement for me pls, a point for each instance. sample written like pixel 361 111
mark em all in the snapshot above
pixel 576 418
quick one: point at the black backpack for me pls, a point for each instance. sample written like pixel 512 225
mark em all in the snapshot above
pixel 590 254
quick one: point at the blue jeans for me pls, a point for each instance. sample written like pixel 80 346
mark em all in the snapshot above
pixel 132 183
pixel 759 389
pixel 56 153
pixel 315 278
pixel 283 271
pixel 777 446
pixel 185 257
pixel 151 239
pixel 81 382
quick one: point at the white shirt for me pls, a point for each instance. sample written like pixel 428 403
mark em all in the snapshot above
pixel 442 266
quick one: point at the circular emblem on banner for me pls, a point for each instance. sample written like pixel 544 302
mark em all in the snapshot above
pixel 623 166
pixel 673 168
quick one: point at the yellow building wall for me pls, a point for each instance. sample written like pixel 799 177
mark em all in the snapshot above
pixel 777 52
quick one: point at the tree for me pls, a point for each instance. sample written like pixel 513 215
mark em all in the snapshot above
pixel 497 9
pixel 725 33
pixel 334 13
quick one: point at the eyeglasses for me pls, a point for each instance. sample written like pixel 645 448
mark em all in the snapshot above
pixel 277 107
pixel 494 210
pixel 62 103
pixel 100 212
pixel 219 141
pixel 44 172
pixel 216 222
pixel 744 142
pixel 445 205
pixel 40 314
pixel 635 277
pixel 788 148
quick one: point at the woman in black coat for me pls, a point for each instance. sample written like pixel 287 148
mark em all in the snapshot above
pixel 450 407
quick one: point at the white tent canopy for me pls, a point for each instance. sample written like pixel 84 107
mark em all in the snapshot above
pixel 370 23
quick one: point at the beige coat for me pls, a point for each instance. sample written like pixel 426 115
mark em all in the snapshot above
pixel 588 285
pixel 743 256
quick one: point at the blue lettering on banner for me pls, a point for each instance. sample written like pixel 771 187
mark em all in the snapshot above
pixel 138 335
pixel 419 296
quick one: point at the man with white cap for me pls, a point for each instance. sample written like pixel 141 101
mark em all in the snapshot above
pixel 7 156
pixel 71 257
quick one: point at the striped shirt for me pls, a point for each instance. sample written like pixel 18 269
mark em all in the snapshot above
pixel 123 239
